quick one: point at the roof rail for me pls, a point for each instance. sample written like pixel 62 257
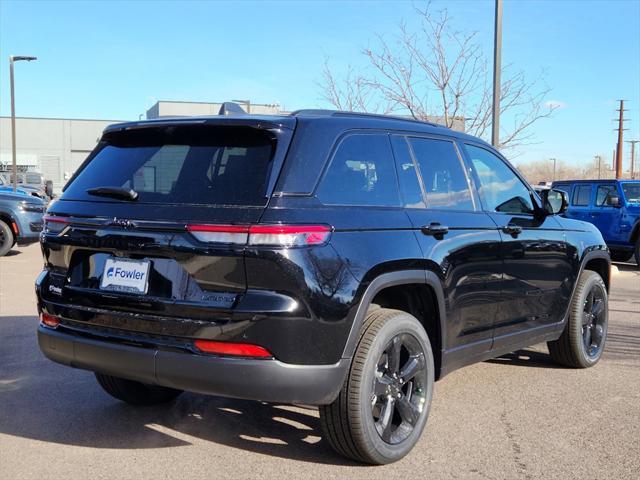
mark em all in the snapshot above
pixel 231 108
pixel 341 113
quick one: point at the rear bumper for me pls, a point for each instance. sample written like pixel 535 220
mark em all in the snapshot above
pixel 252 379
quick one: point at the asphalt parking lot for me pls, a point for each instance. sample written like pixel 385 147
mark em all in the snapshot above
pixel 514 417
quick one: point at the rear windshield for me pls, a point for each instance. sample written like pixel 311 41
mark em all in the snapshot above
pixel 631 192
pixel 195 164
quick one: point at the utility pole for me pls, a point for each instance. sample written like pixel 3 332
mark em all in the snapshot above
pixel 599 158
pixel 633 156
pixel 620 129
pixel 497 60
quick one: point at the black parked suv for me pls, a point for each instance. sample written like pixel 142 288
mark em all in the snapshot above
pixel 323 258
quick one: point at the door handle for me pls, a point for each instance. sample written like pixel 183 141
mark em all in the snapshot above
pixel 594 214
pixel 435 229
pixel 513 230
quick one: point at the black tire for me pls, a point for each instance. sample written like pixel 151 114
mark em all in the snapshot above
pixel 6 238
pixel 637 252
pixel 582 328
pixel 135 393
pixel 621 255
pixel 349 424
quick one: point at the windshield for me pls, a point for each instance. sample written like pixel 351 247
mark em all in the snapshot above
pixel 631 192
pixel 210 165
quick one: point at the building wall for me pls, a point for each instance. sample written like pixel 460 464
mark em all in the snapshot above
pixel 187 109
pixel 54 146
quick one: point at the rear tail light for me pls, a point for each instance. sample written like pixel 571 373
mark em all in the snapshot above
pixel 236 234
pixel 55 224
pixel 264 235
pixel 232 349
pixel 49 320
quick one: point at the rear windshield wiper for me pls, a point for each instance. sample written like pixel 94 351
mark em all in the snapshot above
pixel 115 192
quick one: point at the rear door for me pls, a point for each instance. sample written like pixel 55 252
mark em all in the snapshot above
pixel 537 259
pixel 196 188
pixel 457 239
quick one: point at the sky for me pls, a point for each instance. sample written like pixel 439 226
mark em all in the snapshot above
pixel 115 59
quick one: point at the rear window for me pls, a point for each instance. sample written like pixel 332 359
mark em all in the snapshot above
pixel 362 172
pixel 34 178
pixel 195 164
pixel 631 192
pixel 581 195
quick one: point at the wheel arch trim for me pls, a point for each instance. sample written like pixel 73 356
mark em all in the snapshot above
pixel 392 279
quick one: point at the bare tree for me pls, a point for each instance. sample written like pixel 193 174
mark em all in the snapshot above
pixel 437 71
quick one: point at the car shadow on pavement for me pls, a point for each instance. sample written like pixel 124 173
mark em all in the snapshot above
pixel 48 402
pixel 526 358
pixel 12 253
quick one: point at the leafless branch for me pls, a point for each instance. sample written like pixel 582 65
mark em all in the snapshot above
pixel 437 71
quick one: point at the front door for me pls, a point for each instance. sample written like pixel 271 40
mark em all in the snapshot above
pixel 537 259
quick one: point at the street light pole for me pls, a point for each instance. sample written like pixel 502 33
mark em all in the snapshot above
pixel 599 158
pixel 12 59
pixel 553 178
pixel 497 60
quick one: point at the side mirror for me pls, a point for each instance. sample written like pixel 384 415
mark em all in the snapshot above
pixel 613 200
pixel 555 201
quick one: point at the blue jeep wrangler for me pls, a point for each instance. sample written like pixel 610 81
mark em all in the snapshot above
pixel 611 205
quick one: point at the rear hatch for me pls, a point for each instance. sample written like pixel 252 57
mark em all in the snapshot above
pixel 124 236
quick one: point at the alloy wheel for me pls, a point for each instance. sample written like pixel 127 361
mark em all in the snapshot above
pixel 399 393
pixel 594 321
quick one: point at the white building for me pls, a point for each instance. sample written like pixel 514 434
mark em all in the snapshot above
pixel 165 108
pixel 53 146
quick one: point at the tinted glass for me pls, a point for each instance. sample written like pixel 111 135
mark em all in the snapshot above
pixel 410 190
pixel 34 178
pixel 362 172
pixel 194 165
pixel 603 192
pixel 631 192
pixel 581 195
pixel 442 174
pixel 500 189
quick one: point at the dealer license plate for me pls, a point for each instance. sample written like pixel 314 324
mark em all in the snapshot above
pixel 124 275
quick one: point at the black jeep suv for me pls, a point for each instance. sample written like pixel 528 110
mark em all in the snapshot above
pixel 324 258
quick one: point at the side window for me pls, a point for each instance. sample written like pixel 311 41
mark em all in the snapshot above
pixel 442 172
pixel 362 172
pixel 602 193
pixel 499 188
pixel 581 195
pixel 410 190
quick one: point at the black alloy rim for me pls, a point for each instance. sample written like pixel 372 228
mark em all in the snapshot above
pixel 399 390
pixel 594 322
